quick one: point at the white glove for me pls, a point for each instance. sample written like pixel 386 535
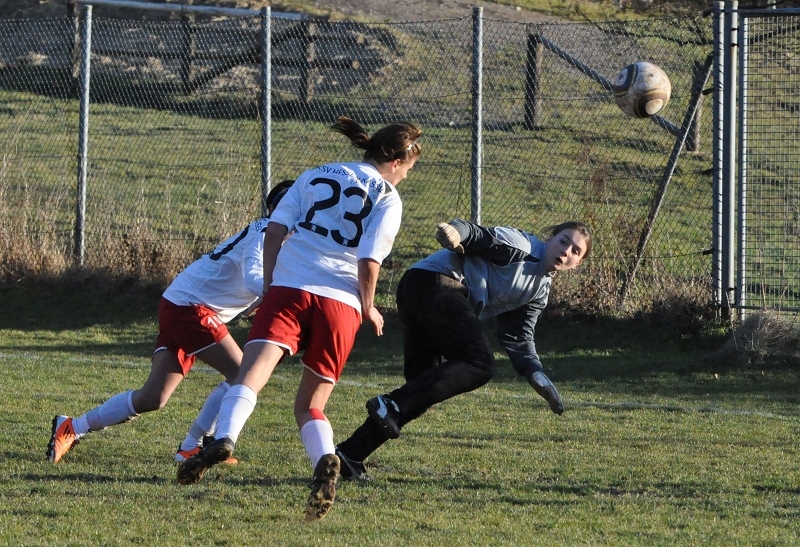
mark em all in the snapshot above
pixel 449 238
pixel 548 391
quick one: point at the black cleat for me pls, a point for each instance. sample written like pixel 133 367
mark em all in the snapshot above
pixel 193 469
pixel 352 470
pixel 386 414
pixel 323 489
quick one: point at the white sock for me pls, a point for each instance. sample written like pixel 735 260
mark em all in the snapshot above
pixel 116 410
pixel 206 420
pixel 317 438
pixel 236 407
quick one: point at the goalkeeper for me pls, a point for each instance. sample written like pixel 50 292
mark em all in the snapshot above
pixel 481 273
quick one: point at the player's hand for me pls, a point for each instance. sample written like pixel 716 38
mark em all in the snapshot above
pixel 376 319
pixel 449 238
pixel 548 391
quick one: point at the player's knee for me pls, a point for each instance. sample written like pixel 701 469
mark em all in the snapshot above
pixel 483 376
pixel 150 403
pixel 483 371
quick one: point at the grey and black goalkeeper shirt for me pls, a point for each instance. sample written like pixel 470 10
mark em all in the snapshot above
pixel 504 270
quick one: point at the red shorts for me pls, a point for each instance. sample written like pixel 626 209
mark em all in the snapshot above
pixel 325 328
pixel 187 330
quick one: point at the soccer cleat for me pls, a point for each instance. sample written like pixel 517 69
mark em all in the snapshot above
pixel 183 455
pixel 352 470
pixel 386 414
pixel 62 438
pixel 323 489
pixel 193 469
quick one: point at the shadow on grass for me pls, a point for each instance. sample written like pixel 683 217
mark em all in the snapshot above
pixel 630 356
pixel 64 306
pixel 89 478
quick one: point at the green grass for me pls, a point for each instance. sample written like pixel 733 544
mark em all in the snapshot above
pixel 651 451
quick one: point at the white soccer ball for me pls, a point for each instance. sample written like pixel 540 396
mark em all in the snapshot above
pixel 641 90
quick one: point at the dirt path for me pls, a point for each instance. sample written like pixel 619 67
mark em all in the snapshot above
pixel 378 10
pixel 425 10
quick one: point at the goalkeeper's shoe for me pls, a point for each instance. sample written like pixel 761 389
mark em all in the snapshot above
pixel 352 470
pixel 323 488
pixel 386 414
pixel 193 469
pixel 183 455
pixel 545 388
pixel 62 438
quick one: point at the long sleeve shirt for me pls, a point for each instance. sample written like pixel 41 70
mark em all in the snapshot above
pixel 504 270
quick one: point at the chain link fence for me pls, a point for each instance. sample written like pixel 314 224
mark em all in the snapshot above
pixel 769 195
pixel 175 123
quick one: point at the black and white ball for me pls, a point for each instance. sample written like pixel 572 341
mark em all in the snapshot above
pixel 641 90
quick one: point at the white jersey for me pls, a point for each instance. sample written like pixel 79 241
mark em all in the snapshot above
pixel 339 213
pixel 227 280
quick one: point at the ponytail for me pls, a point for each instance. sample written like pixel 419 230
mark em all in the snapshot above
pixel 396 141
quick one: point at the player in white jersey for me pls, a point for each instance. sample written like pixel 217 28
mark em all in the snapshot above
pixel 344 218
pixel 192 319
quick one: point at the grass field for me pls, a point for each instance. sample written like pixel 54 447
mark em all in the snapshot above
pixel 652 450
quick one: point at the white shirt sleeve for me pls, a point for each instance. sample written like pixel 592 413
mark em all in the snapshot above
pixel 376 244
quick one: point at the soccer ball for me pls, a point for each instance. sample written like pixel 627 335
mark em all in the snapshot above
pixel 641 90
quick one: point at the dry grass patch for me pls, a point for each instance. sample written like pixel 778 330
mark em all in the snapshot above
pixel 765 339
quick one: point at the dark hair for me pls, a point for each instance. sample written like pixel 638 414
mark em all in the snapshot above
pixel 276 194
pixel 396 141
pixel 579 227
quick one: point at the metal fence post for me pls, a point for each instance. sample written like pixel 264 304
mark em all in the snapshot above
pixel 266 105
pixel 729 134
pixel 742 193
pixel 83 136
pixel 718 117
pixel 477 113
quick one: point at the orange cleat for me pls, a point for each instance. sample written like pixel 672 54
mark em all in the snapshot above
pixel 62 438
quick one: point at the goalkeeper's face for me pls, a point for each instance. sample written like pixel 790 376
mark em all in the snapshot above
pixel 565 250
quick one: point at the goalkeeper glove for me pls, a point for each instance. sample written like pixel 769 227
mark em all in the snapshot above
pixel 547 390
pixel 449 238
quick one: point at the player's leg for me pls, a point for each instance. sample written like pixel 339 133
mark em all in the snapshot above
pixel 442 310
pixel 420 353
pixel 332 333
pixel 258 362
pixel 165 375
pixel 225 357
pixel 316 435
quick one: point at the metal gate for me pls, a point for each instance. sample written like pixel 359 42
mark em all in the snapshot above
pixel 768 165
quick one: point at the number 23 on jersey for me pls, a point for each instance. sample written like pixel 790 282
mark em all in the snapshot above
pixel 323 218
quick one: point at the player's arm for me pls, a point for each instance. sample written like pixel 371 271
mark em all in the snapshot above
pixel 468 238
pixel 273 239
pixel 368 271
pixel 515 331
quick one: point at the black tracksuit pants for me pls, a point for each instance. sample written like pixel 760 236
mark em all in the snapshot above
pixel 446 352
